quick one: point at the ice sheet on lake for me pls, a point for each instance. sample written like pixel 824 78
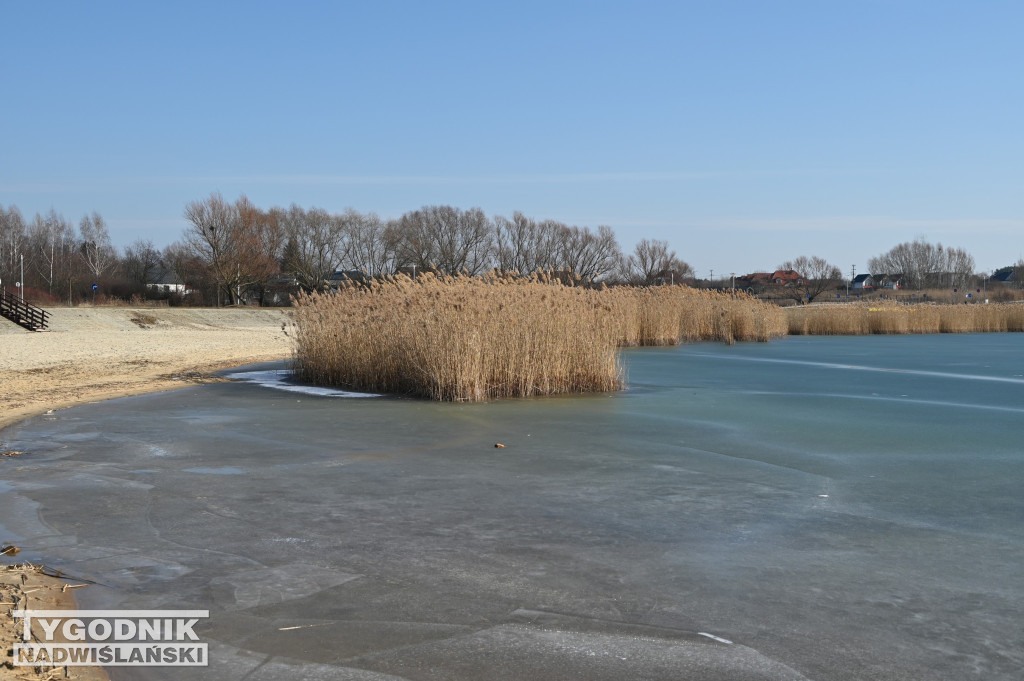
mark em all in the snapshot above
pixel 281 379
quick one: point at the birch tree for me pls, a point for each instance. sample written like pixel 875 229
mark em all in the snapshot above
pixel 97 252
pixel 52 248
pixel 12 245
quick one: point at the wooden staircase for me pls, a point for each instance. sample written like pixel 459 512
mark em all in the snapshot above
pixel 22 313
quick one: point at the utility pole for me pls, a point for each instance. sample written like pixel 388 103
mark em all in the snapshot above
pixel 21 284
pixel 711 280
pixel 732 275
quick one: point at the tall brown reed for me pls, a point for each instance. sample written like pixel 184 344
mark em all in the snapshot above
pixel 894 318
pixel 465 338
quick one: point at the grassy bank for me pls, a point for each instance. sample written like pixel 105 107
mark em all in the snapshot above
pixel 884 317
pixel 461 338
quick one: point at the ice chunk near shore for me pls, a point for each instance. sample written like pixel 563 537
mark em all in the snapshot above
pixel 281 379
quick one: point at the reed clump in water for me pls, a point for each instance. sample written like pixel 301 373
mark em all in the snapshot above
pixel 894 318
pixel 481 338
pixel 669 315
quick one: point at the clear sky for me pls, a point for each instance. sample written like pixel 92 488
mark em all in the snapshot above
pixel 744 133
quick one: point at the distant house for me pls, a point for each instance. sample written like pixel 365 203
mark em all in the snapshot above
pixel 889 281
pixel 279 290
pixel 165 281
pixel 761 280
pixel 862 282
pixel 787 278
pixel 1003 276
pixel 342 277
pixel 755 279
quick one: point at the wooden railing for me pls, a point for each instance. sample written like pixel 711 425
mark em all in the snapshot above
pixel 20 312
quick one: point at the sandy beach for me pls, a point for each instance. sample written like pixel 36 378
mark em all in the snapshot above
pixel 92 354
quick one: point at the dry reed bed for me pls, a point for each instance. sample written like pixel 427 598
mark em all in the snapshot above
pixel 464 338
pixel 892 318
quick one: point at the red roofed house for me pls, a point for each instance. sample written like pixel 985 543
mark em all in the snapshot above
pixel 787 278
pixel 783 278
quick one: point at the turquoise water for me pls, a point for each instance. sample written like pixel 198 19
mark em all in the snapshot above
pixel 830 508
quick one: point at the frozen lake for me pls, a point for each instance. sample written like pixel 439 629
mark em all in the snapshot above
pixel 821 508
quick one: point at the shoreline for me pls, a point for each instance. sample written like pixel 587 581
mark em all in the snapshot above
pixel 94 354
pixel 24 586
pixel 188 376
pixel 98 354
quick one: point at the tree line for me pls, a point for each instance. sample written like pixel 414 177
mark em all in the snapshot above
pixel 246 249
pixel 925 265
pixel 234 251
pixel 53 259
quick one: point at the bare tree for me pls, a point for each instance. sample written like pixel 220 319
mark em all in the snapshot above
pixel 181 259
pixel 240 243
pixel 922 264
pixel 448 239
pixel 513 241
pixel 97 252
pixel 548 244
pixel 959 265
pixel 816 274
pixel 141 261
pixel 213 238
pixel 317 245
pixel 12 244
pixel 52 247
pixel 371 246
pixel 524 245
pixel 261 240
pixel 1018 273
pixel 653 263
pixel 586 254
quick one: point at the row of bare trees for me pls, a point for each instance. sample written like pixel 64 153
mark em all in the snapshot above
pixel 925 265
pixel 234 250
pixel 50 254
pixel 51 259
pixel 245 247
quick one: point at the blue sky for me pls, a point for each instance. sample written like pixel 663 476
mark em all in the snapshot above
pixel 744 133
